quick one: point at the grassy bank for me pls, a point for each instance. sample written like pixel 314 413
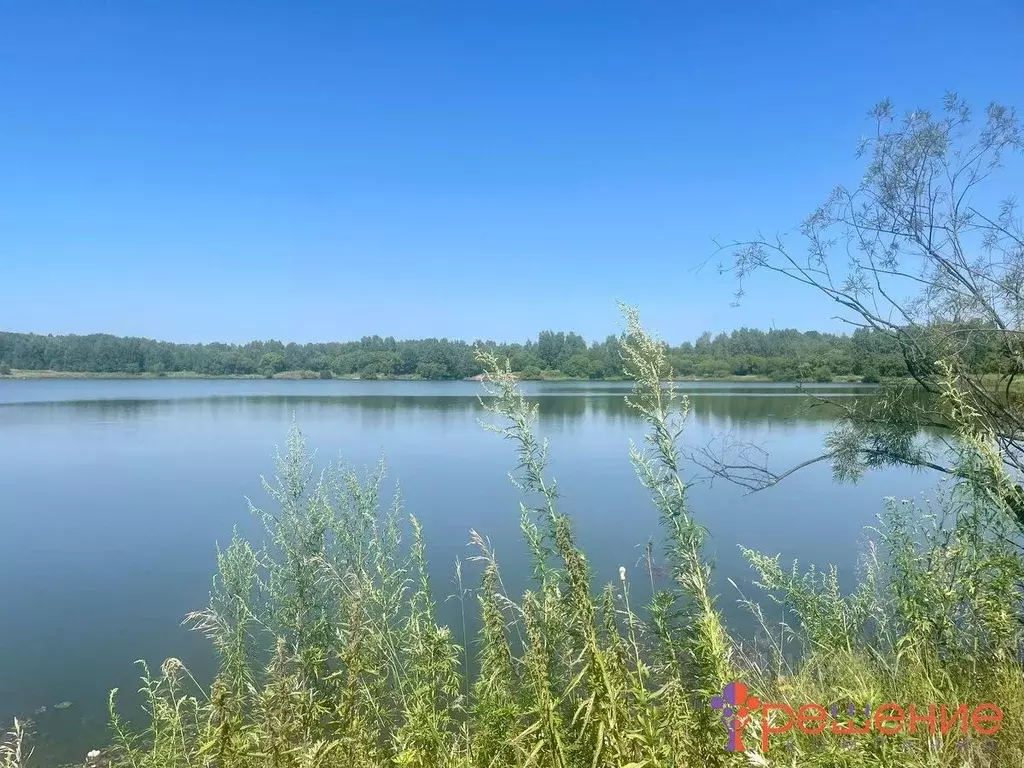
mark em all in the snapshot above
pixel 332 654
pixel 292 375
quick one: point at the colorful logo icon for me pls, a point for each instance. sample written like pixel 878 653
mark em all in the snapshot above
pixel 736 705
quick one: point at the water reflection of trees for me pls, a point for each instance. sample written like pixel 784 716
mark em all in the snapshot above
pixel 559 411
pixel 88 411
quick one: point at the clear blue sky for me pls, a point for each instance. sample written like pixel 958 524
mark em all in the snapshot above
pixel 199 171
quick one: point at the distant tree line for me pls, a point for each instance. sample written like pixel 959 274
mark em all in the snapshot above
pixel 783 355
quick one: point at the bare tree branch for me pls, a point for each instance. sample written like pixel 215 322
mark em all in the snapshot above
pixel 907 254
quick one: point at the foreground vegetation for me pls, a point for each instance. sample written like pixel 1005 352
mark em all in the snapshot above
pixel 331 652
pixel 780 355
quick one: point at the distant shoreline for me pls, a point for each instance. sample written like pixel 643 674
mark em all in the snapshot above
pixel 312 376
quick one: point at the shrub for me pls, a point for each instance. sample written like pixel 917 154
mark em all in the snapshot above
pixel 431 371
pixel 871 375
pixel 822 373
pixel 531 373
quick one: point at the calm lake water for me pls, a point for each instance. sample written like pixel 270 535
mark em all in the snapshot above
pixel 113 495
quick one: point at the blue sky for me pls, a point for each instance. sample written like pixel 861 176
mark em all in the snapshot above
pixel 315 171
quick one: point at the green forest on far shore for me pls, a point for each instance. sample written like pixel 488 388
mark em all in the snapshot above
pixel 781 355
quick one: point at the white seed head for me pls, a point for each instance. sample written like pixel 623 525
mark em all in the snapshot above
pixel 622 573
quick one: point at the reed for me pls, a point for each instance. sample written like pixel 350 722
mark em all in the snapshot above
pixel 14 749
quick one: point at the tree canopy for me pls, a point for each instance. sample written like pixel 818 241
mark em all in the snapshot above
pixel 783 355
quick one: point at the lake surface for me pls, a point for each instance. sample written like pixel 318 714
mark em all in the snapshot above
pixel 113 495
